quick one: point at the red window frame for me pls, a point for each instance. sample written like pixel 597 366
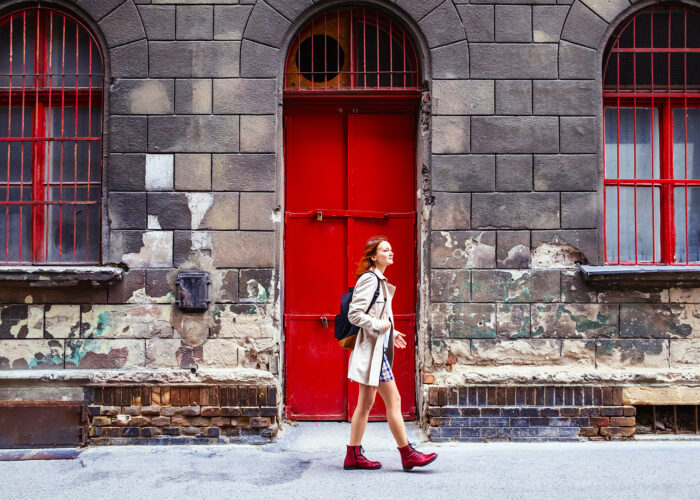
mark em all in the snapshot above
pixel 40 92
pixel 645 92
pixel 354 24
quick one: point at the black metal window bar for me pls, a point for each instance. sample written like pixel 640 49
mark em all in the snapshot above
pixel 667 419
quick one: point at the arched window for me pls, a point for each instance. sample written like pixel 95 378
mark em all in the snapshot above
pixel 651 93
pixel 51 77
pixel 351 48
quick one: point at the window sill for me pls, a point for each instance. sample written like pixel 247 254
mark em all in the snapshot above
pixel 642 276
pixel 52 276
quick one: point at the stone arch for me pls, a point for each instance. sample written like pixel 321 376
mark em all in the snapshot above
pixel 444 31
pixel 587 29
pixel 118 28
pixel 587 21
pixel 118 25
pixel 435 26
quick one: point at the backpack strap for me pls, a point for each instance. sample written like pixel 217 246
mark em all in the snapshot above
pixel 376 292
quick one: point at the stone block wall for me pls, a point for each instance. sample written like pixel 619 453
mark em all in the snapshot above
pixel 510 206
pixel 136 336
pixel 553 318
pixel 518 208
pixel 189 183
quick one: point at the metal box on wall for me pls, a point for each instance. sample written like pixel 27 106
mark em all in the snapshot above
pixel 192 291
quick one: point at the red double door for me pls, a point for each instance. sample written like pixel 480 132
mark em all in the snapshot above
pixel 350 174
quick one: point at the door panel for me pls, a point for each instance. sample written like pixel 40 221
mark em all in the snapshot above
pixel 333 159
pixel 316 371
pixel 380 147
pixel 404 365
pixel 316 160
pixel 315 255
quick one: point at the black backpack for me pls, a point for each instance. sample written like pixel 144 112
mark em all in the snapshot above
pixel 346 332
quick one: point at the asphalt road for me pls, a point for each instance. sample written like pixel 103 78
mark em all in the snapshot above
pixel 300 468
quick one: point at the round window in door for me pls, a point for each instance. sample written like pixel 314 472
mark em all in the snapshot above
pixel 350 113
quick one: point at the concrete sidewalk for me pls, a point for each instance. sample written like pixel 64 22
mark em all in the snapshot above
pixel 306 462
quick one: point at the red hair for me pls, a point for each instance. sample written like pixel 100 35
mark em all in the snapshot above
pixel 366 263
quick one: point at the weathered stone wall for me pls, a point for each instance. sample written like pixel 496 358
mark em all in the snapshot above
pixel 518 207
pixel 190 183
pixel 511 205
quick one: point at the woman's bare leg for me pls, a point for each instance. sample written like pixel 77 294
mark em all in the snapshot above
pixel 365 401
pixel 392 400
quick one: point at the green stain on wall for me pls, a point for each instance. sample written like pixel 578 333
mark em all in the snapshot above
pixel 263 295
pixel 103 322
pixel 584 323
pixel 75 351
pixel 99 353
pixel 608 346
pixel 39 360
pixel 524 329
pixel 470 326
pixel 514 290
pixel 681 329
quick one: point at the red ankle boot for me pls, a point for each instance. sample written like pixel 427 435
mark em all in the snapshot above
pixel 354 459
pixel 410 457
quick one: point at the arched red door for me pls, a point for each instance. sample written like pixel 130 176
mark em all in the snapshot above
pixel 349 174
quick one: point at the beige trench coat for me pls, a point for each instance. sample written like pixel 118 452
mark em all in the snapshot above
pixel 366 358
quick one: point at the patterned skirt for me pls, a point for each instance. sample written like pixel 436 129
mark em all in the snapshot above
pixel 386 374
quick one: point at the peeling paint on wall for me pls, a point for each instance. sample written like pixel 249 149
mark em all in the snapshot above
pixel 199 204
pixel 518 258
pixel 156 251
pixel 464 250
pixel 21 322
pixel 104 354
pixel 31 354
pixel 556 256
pixel 153 222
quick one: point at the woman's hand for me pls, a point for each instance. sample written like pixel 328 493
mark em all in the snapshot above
pixel 387 326
pixel 399 340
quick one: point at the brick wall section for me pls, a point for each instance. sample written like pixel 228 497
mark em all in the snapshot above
pixel 528 413
pixel 183 415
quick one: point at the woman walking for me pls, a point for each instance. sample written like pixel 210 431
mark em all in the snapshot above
pixel 373 355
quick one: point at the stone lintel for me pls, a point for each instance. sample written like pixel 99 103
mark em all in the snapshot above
pixel 566 375
pixel 243 376
pixel 668 395
pixel 642 276
pixel 51 276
